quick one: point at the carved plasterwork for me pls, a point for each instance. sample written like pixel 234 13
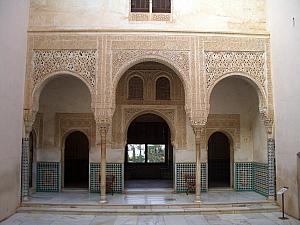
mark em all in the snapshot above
pixel 38 128
pixel 68 122
pixel 228 124
pixel 173 115
pixel 179 59
pixel 161 17
pixel 130 113
pixel 81 62
pixel 218 64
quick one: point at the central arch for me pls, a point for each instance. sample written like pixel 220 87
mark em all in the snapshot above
pixel 148 153
pixel 177 69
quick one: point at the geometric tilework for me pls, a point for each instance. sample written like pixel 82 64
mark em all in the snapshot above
pixel 189 168
pixel 260 175
pixel 48 177
pixel 243 176
pixel 204 177
pixel 25 168
pixel 271 168
pixel 111 168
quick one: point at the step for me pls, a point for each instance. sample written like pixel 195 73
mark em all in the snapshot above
pixel 150 191
pixel 148 209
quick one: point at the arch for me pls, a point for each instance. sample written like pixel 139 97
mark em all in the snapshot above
pixel 226 133
pixel 69 131
pixel 148 152
pixel 157 113
pixel 130 88
pixel 167 93
pixel 38 88
pixel 220 165
pixel 262 97
pixel 146 58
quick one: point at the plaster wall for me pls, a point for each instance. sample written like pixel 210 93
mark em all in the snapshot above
pixel 63 94
pixel 285 45
pixel 236 96
pixel 13 26
pixel 228 16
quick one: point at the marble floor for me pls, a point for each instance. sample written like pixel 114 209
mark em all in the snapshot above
pixel 221 219
pixel 84 197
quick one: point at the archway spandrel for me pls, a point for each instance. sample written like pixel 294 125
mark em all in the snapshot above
pixel 81 62
pixel 218 64
pixel 124 59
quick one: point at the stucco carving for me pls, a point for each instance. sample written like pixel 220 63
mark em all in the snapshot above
pixel 180 59
pixel 81 62
pixel 38 128
pixel 131 112
pixel 229 124
pixel 66 122
pixel 221 63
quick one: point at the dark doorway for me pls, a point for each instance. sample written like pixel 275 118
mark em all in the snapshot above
pixel 218 161
pixel 76 161
pixel 148 153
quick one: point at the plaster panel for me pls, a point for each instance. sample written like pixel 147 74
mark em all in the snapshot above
pixel 185 155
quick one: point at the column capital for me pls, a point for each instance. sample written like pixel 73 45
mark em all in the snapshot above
pixel 199 131
pixel 102 129
pixel 29 118
pixel 268 120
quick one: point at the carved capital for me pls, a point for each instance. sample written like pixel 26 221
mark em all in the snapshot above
pixel 199 131
pixel 267 119
pixel 29 118
pixel 102 129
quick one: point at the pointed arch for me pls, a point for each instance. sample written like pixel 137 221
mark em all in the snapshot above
pixel 260 91
pixel 38 88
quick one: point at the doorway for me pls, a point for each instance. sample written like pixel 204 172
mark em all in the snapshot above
pixel 148 153
pixel 76 157
pixel 219 161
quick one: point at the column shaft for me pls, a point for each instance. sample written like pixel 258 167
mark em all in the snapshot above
pixel 103 132
pixel 198 171
pixel 198 130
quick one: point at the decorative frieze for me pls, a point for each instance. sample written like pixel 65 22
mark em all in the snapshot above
pixel 81 62
pixel 179 59
pixel 129 113
pixel 218 64
pixel 66 122
pixel 229 123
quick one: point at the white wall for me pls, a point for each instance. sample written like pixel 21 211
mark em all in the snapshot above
pixel 236 96
pixel 285 45
pixel 194 15
pixel 13 26
pixel 63 94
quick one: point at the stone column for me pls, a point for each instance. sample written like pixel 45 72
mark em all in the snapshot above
pixel 198 130
pixel 268 122
pixel 103 128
